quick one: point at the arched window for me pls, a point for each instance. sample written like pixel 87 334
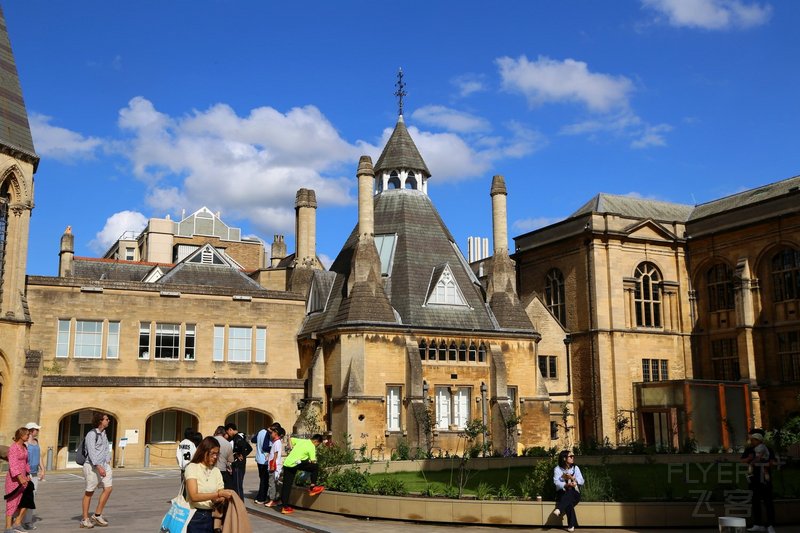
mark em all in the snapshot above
pixel 786 275
pixel 453 351
pixel 462 352
pixel 473 352
pixel 4 201
pixel 647 296
pixel 554 295
pixel 423 349
pixel 482 353
pixel 442 351
pixel 432 350
pixel 394 180
pixel 719 279
pixel 411 180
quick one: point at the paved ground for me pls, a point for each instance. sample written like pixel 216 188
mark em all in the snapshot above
pixel 141 497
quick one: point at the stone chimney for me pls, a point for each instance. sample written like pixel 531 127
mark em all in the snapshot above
pixel 67 253
pixel 366 188
pixel 278 250
pixel 306 228
pixel 499 215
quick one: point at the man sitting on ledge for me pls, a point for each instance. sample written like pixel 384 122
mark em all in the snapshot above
pixel 303 456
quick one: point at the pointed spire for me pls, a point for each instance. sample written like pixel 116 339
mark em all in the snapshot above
pixel 400 152
pixel 15 132
pixel 400 92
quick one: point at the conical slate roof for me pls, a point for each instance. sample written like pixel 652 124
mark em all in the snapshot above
pixel 15 132
pixel 424 245
pixel 401 152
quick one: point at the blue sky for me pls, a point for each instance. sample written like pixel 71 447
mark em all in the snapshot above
pixel 145 108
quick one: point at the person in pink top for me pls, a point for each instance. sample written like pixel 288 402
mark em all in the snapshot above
pixel 17 481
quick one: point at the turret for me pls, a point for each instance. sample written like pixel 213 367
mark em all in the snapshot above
pixel 306 227
pixel 366 186
pixel 499 215
pixel 66 254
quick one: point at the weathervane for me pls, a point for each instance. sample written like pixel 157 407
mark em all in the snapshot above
pixel 400 92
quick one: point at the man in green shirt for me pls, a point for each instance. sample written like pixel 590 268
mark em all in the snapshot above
pixel 303 456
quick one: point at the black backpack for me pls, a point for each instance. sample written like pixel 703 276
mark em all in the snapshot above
pixel 81 453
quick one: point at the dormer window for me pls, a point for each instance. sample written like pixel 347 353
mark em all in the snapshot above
pixel 444 288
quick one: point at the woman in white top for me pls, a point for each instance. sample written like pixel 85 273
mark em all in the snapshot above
pixel 568 480
pixel 204 486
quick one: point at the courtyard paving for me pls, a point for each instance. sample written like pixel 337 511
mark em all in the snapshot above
pixel 141 497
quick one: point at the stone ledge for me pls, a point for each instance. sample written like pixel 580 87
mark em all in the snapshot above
pixel 523 513
pixel 192 382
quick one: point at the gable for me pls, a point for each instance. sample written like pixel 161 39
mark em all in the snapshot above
pixel 444 289
pixel 650 231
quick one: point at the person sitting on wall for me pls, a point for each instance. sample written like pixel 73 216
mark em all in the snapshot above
pixel 303 456
pixel 568 480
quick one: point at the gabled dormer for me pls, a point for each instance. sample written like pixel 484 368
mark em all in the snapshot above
pixel 208 255
pixel 400 166
pixel 444 289
pixel 154 275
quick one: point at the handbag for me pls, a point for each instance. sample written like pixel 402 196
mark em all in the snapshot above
pixel 178 516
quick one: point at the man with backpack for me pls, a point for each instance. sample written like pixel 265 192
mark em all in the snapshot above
pixel 263 444
pixel 241 449
pixel 94 454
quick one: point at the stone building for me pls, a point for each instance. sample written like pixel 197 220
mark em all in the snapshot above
pixel 702 298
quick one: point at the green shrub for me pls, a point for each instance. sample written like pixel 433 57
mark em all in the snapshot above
pixel 506 493
pixel 403 450
pixel 450 491
pixel 536 451
pixel 484 492
pixel 390 486
pixel 349 480
pixel 541 480
pixel 598 486
pixel 430 491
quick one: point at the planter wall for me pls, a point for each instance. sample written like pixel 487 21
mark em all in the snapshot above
pixel 526 513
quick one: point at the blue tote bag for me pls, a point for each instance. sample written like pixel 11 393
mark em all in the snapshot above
pixel 178 516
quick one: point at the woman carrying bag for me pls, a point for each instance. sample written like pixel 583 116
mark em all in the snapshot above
pixel 19 489
pixel 568 480
pixel 204 486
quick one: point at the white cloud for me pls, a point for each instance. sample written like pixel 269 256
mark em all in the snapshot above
pixel 530 224
pixel 450 119
pixel 60 143
pixel 625 124
pixel 469 84
pixel 249 167
pixel 711 14
pixel 116 225
pixel 547 80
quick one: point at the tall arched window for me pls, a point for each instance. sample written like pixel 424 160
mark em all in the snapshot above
pixel 647 296
pixel 432 350
pixel 442 351
pixel 423 349
pixel 411 180
pixel 719 279
pixel 554 295
pixel 4 201
pixel 394 180
pixel 786 275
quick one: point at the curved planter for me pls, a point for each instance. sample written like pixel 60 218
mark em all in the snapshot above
pixel 522 513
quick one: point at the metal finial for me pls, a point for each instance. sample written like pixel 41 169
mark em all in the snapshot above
pixel 400 92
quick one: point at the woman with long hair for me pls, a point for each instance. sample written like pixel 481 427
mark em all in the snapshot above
pixel 19 497
pixel 204 486
pixel 568 480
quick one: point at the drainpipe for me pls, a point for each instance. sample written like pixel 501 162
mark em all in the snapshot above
pixel 589 269
pixel 567 342
pixel 484 390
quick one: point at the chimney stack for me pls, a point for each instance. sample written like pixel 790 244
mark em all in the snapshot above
pixel 278 250
pixel 66 254
pixel 366 188
pixel 306 227
pixel 499 216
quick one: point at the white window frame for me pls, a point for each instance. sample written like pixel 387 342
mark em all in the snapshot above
pixel 219 343
pixel 144 329
pixel 261 344
pixel 88 342
pixel 452 410
pixel 190 332
pixel 394 396
pixel 240 344
pixel 112 340
pixel 163 351
pixel 63 337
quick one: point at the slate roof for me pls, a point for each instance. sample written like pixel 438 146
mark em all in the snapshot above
pixel 424 244
pixel 636 208
pixel 401 152
pixel 753 196
pixel 15 132
pixel 110 269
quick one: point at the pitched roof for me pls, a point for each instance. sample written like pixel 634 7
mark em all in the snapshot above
pixel 635 207
pixel 424 245
pixel 750 197
pixel 401 152
pixel 15 132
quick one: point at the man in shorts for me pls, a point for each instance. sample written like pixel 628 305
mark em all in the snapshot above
pixel 97 471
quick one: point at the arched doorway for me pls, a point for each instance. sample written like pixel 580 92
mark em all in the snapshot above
pixel 72 428
pixel 250 421
pixel 163 430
